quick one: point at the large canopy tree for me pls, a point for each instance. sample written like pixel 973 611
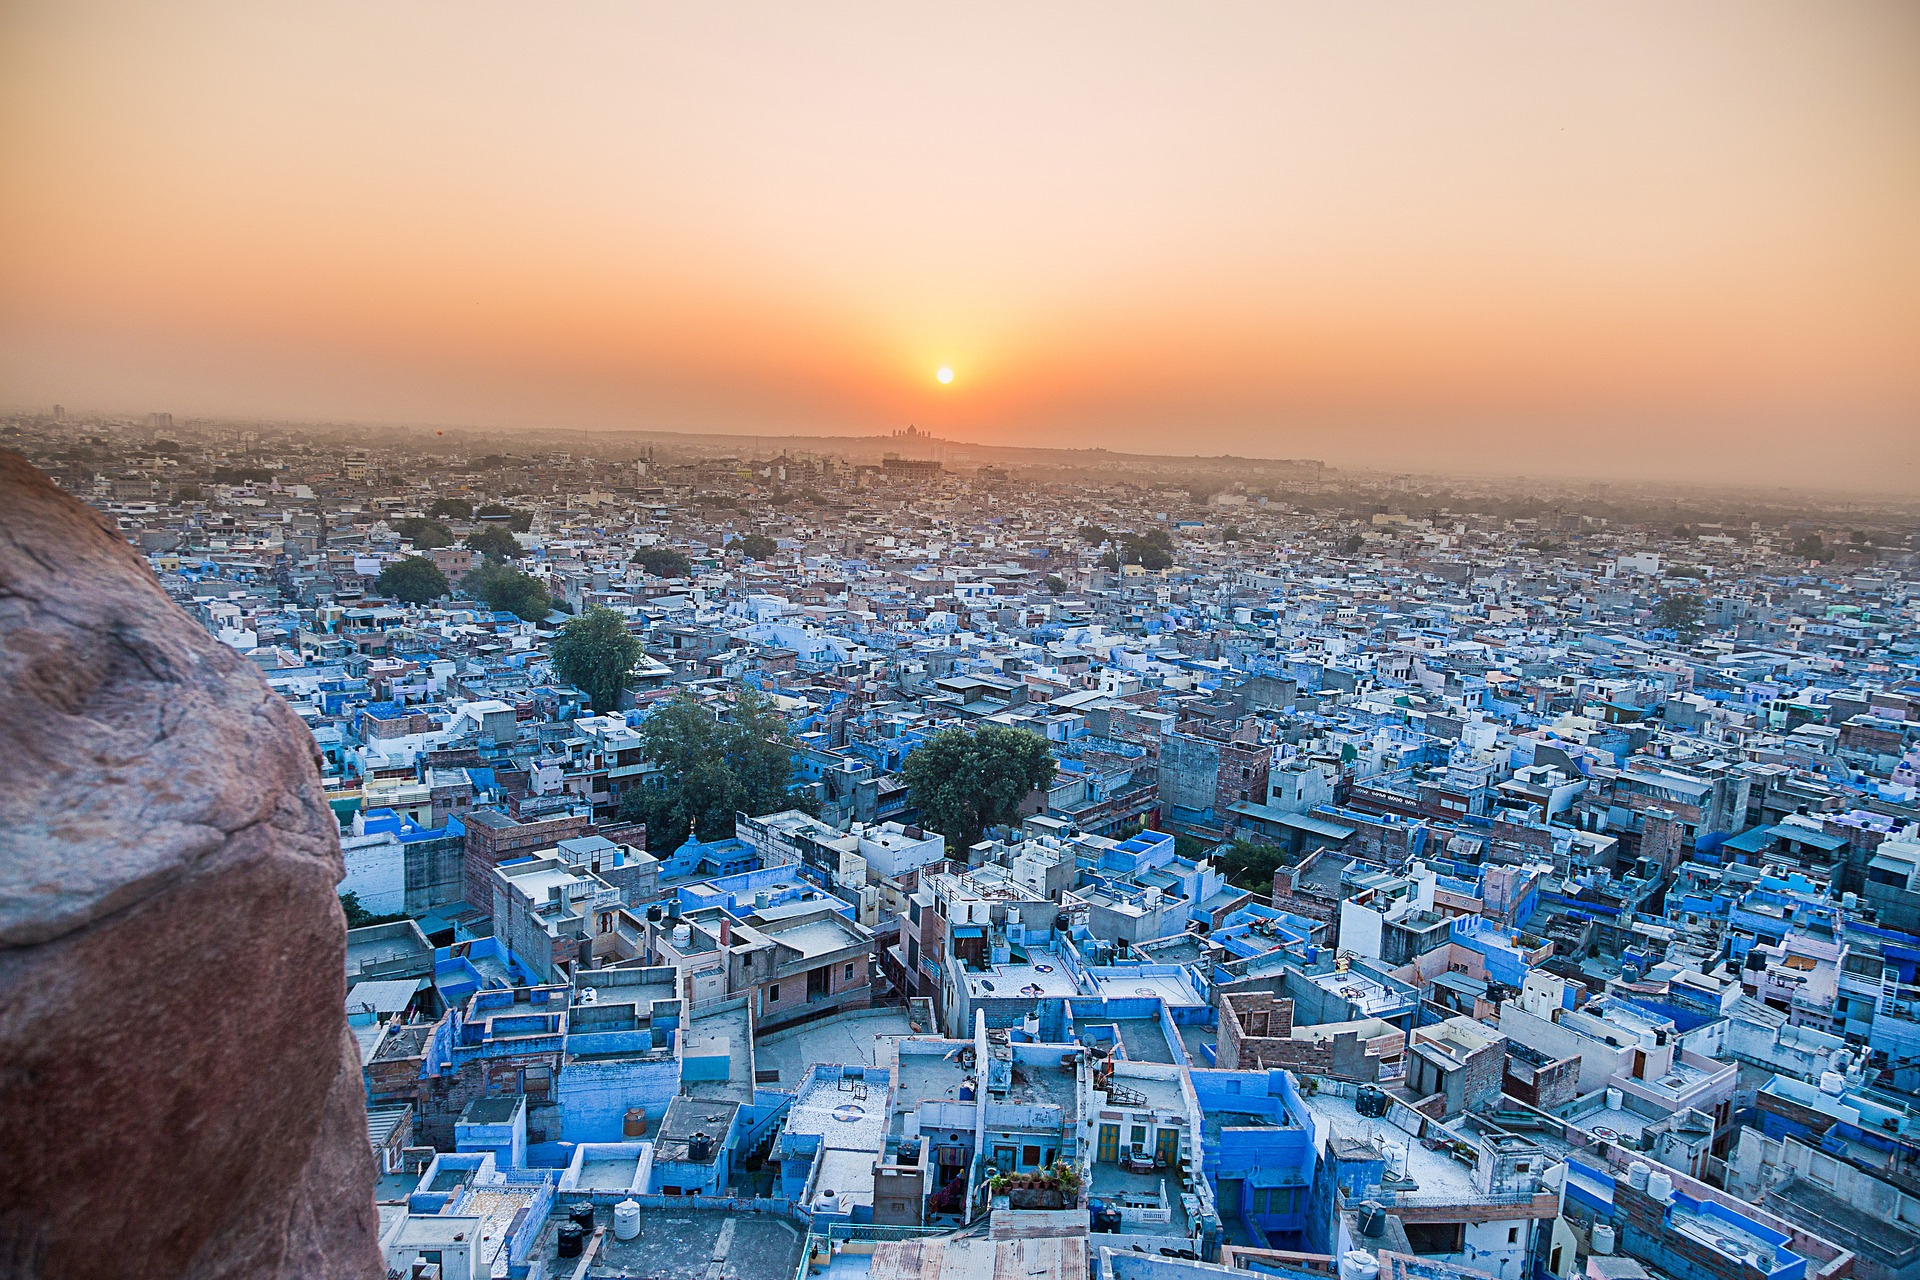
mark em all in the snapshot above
pixel 507 589
pixel 964 781
pixel 711 768
pixel 415 580
pixel 595 653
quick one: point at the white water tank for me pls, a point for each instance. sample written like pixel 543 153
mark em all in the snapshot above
pixel 1660 1186
pixel 1358 1264
pixel 1833 1083
pixel 626 1220
pixel 1637 1175
pixel 1614 1098
pixel 682 935
pixel 1602 1238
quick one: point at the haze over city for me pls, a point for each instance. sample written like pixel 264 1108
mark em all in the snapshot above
pixel 1647 241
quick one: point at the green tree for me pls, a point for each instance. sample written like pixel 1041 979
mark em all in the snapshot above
pixel 415 580
pixel 964 781
pixel 424 533
pixel 1681 614
pixel 494 543
pixel 1152 550
pixel 517 521
pixel 1056 584
pixel 1251 866
pixel 1093 535
pixel 711 769
pixel 595 653
pixel 755 546
pixel 1810 548
pixel 457 508
pixel 1353 544
pixel 663 562
pixel 505 588
pixel 358 917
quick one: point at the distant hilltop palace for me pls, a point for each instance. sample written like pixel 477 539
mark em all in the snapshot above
pixel 914 468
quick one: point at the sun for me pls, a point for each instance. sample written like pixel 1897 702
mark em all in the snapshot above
pixel 943 375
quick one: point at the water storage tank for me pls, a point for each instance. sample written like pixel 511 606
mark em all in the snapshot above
pixel 635 1123
pixel 1358 1264
pixel 1373 1219
pixel 580 1214
pixel 1637 1175
pixel 762 900
pixel 1602 1238
pixel 571 1238
pixel 1832 1083
pixel 1614 1098
pixel 682 935
pixel 626 1220
pixel 1660 1185
pixel 654 913
pixel 700 1148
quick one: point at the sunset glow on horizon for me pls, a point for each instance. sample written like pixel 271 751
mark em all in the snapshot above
pixel 1608 239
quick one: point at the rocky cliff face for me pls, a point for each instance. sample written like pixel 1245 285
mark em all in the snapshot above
pixel 178 1092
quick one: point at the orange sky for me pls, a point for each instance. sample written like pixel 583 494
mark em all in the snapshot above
pixel 1678 240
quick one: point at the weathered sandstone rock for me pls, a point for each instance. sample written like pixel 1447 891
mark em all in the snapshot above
pixel 178 1092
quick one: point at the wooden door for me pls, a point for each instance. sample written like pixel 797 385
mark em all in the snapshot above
pixel 1166 1148
pixel 1109 1150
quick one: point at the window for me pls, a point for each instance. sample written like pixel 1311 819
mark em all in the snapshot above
pixel 773 993
pixel 1276 1200
pixel 1513 1235
pixel 849 973
pixel 1138 1137
pixel 1030 1156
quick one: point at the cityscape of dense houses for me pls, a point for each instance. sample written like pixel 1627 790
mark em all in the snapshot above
pixel 1428 884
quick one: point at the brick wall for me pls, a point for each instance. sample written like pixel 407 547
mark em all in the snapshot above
pixel 1255 1033
pixel 1242 776
pixel 1290 895
pixel 1661 838
pixel 1485 1067
pixel 487 846
pixel 1548 1087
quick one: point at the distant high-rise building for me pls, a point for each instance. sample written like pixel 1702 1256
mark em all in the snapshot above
pixel 59 413
pixel 160 420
